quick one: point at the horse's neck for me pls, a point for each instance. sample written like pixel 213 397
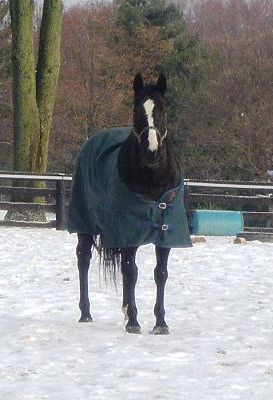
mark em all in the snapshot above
pixel 150 183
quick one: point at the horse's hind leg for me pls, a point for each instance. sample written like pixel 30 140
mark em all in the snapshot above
pixel 84 253
pixel 129 273
pixel 161 276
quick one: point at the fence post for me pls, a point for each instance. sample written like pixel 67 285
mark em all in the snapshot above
pixel 187 200
pixel 60 205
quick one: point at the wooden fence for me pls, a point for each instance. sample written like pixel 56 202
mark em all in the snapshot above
pixel 254 199
pixel 54 197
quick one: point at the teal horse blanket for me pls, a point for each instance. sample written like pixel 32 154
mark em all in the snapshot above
pixel 102 205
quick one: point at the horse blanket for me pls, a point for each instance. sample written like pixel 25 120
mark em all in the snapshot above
pixel 102 205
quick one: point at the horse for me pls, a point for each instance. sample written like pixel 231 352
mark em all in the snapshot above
pixel 128 191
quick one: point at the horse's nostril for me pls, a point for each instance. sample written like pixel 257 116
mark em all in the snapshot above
pixel 153 156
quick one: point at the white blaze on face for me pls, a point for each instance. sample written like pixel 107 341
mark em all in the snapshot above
pixel 152 136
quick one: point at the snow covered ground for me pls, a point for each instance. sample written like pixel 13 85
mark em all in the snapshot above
pixel 219 302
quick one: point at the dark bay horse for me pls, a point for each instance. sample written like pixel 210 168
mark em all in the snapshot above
pixel 128 191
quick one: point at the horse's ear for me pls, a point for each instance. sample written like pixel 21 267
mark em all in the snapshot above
pixel 138 83
pixel 161 84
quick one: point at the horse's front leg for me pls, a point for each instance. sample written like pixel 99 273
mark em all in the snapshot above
pixel 129 273
pixel 84 253
pixel 161 276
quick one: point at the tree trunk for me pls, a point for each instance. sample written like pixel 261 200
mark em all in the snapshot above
pixel 33 92
pixel 47 75
pixel 25 110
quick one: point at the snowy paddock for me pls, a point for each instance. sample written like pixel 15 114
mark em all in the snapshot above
pixel 219 306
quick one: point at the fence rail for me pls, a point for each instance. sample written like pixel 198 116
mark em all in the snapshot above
pixel 255 199
pixel 230 185
pixel 35 177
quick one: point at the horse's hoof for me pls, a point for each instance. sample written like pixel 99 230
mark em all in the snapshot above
pixel 160 330
pixel 133 329
pixel 86 319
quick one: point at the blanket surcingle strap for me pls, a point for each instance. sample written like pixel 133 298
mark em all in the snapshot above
pixel 102 205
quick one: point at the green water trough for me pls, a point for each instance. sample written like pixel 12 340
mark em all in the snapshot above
pixel 216 222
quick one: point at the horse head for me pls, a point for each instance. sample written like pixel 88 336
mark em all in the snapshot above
pixel 150 121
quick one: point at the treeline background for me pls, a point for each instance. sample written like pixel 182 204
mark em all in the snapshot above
pixel 217 55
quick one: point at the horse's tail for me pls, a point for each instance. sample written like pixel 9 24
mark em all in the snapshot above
pixel 110 260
